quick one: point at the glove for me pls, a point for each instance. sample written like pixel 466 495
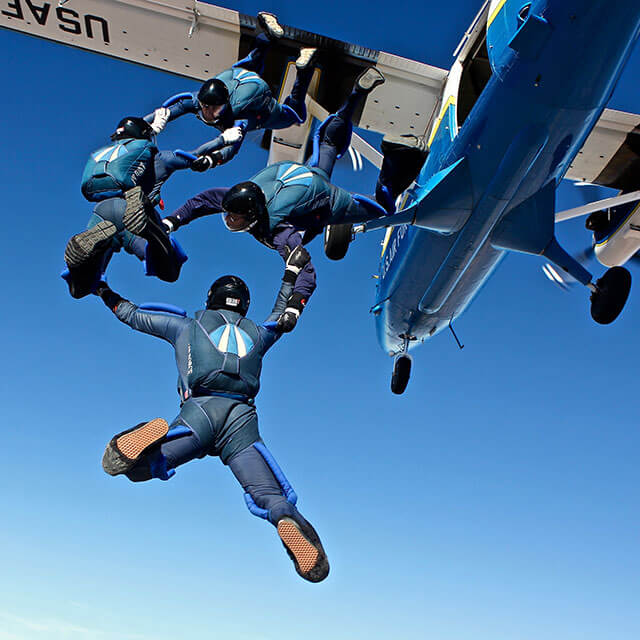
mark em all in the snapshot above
pixel 202 163
pixel 233 135
pixel 289 318
pixel 160 119
pixel 172 223
pixel 297 259
pixel 109 297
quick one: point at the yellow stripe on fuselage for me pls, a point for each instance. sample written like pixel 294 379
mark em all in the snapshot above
pixel 495 13
pixel 450 101
pixel 385 242
pixel 622 226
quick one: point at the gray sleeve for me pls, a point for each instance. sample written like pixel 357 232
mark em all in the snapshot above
pixel 162 325
pixel 286 289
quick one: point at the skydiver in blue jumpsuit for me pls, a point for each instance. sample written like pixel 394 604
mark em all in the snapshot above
pixel 238 100
pixel 287 204
pixel 219 356
pixel 121 178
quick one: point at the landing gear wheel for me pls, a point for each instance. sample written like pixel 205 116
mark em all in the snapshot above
pixel 611 295
pixel 401 373
pixel 337 238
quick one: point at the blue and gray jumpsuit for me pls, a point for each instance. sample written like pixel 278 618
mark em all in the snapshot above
pixel 251 104
pixel 154 175
pixel 219 358
pixel 301 200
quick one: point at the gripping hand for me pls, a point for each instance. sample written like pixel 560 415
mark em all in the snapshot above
pixel 295 262
pixel 289 318
pixel 233 135
pixel 204 162
pixel 109 297
pixel 160 119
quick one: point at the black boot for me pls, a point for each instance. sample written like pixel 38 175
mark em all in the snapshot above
pixel 303 546
pixel 125 449
pixel 270 25
pixel 141 219
pixel 84 255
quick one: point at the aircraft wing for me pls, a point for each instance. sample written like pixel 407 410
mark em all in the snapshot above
pixel 611 155
pixel 198 40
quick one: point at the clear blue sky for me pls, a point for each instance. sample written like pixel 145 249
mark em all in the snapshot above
pixel 497 499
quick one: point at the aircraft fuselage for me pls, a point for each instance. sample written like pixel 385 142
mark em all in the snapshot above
pixel 553 69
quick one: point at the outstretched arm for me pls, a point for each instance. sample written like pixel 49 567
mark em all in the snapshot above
pixel 162 325
pixel 205 203
pixel 178 105
pixel 285 240
pixel 283 316
pixel 289 304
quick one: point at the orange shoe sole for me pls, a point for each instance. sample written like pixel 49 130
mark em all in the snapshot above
pixel 132 444
pixel 305 553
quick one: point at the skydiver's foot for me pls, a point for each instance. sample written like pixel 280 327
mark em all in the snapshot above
pixel 368 80
pixel 303 545
pixel 125 449
pixel 305 57
pixel 270 25
pixel 85 246
pixel 140 219
pixel 408 142
pixel 84 256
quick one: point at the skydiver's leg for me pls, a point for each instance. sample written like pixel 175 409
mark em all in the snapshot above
pixel 333 137
pixel 271 31
pixel 403 158
pixel 87 254
pixel 271 498
pixel 155 449
pixel 163 256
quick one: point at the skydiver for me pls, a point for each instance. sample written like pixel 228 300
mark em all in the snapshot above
pixel 287 204
pixel 238 100
pixel 219 356
pixel 125 179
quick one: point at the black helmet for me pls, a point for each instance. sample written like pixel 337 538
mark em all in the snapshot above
pixel 244 205
pixel 132 127
pixel 229 292
pixel 213 92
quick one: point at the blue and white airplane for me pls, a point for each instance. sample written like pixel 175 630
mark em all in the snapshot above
pixel 530 84
pixel 522 108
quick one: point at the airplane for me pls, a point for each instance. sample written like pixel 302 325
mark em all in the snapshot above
pixel 521 109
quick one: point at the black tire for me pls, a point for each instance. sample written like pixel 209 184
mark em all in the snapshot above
pixel 401 374
pixel 609 300
pixel 337 238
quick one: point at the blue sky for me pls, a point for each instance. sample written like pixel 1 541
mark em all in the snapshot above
pixel 498 498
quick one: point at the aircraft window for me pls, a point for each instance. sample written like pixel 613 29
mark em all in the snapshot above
pixel 476 72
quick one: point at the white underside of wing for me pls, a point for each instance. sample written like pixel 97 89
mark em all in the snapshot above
pixel 602 145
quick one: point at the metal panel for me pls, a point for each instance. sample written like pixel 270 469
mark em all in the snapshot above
pixel 154 33
pixel 406 101
pixel 601 146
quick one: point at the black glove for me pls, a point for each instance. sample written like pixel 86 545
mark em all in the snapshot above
pixel 204 162
pixel 297 259
pixel 172 223
pixel 109 297
pixel 289 318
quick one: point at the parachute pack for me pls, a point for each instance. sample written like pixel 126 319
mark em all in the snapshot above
pixel 112 170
